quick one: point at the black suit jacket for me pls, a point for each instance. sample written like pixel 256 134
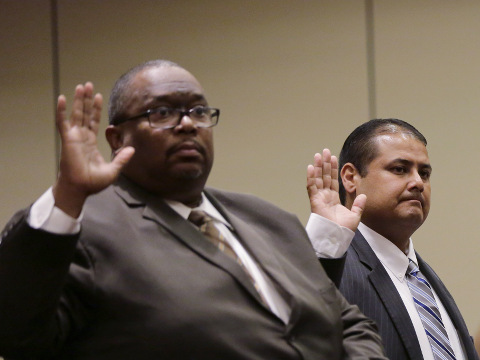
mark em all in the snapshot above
pixel 365 282
pixel 141 282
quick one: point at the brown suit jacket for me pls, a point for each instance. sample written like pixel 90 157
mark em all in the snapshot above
pixel 140 282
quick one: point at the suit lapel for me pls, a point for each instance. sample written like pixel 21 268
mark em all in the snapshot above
pixel 389 296
pixel 449 304
pixel 257 247
pixel 157 210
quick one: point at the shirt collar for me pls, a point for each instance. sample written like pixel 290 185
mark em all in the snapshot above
pixel 205 205
pixel 387 252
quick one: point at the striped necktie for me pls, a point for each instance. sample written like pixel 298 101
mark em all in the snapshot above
pixel 429 313
pixel 207 228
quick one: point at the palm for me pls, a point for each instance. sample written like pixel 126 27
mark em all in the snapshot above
pixel 322 188
pixel 81 162
pixel 83 171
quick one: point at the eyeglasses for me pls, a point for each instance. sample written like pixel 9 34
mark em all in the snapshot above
pixel 165 117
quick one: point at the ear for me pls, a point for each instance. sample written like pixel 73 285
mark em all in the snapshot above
pixel 350 176
pixel 114 137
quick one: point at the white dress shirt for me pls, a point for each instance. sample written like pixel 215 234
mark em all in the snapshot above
pixel 46 216
pixel 329 240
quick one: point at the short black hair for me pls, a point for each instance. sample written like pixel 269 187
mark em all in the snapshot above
pixel 118 96
pixel 360 149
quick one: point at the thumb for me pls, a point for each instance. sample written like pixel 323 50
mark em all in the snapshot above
pixel 122 158
pixel 359 204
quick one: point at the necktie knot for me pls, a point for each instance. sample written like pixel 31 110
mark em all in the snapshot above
pixel 199 217
pixel 206 226
pixel 412 268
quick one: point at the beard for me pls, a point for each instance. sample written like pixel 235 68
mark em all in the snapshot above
pixel 185 174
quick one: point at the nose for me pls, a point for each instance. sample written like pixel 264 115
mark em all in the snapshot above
pixel 185 124
pixel 417 182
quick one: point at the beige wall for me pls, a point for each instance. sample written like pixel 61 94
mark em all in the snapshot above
pixel 428 71
pixel 290 78
pixel 27 145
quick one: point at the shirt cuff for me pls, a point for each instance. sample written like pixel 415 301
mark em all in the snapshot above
pixel 328 239
pixel 44 215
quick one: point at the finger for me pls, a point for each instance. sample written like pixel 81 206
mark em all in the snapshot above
pixel 87 104
pixel 318 170
pixel 76 117
pixel 60 116
pixel 334 173
pixel 327 169
pixel 317 167
pixel 359 204
pixel 311 187
pixel 97 112
pixel 61 108
pixel 310 171
pixel 314 175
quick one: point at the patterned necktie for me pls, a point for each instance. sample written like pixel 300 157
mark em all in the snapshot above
pixel 206 226
pixel 429 313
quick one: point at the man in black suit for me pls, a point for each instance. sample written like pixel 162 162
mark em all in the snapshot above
pixel 105 265
pixel 387 160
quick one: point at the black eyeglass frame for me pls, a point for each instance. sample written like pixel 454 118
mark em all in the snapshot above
pixel 214 117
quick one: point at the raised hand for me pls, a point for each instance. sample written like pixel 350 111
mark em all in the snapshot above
pixel 322 188
pixel 83 171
